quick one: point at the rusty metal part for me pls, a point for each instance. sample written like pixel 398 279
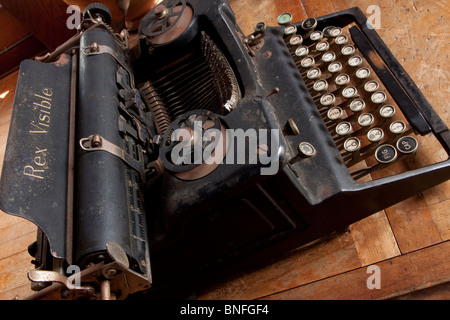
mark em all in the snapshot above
pixel 217 156
pixel 105 290
pixel 168 22
pixel 66 46
pixel 201 81
pixel 102 280
pixel 98 143
pixel 71 157
pixel 155 104
pixel 161 11
pixel 123 6
pixel 96 49
pixel 291 128
pixel 274 91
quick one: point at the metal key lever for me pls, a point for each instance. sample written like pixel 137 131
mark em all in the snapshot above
pixel 98 143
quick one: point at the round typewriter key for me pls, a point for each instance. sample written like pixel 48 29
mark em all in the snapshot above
pixel 355 61
pixel 379 97
pixel 308 62
pixel 335 113
pixel 352 144
pixel 397 127
pixel 309 24
pixel 387 111
pixel 335 67
pixel 342 79
pixel 326 31
pixel 335 32
pixel 314 73
pixel 386 154
pixel 344 128
pixel 301 51
pixel 375 135
pixel 284 19
pixel 407 145
pixel 349 92
pixel 316 36
pixel 296 40
pixel 341 40
pixel 365 119
pixel 348 50
pixel 357 105
pixel 320 85
pixel 327 99
pixel 371 86
pixel 363 73
pixel 290 30
pixel 322 46
pixel 307 149
pixel 329 57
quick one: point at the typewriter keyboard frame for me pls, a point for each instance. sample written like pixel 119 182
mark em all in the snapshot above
pixel 369 104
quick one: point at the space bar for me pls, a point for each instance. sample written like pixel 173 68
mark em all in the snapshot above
pixel 409 108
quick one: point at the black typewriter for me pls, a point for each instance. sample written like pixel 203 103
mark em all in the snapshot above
pixel 151 168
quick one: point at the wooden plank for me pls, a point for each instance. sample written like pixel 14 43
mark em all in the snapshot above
pixel 27 49
pixel 17 293
pixel 441 217
pixel 21 228
pixel 319 8
pixel 19 244
pixel 418 270
pixel 321 261
pixel 413 225
pixel 373 236
pixel 250 12
pixel 46 20
pixel 14 279
pixel 12 30
pixel 295 7
pixel 7 85
pixel 374 239
pixel 439 292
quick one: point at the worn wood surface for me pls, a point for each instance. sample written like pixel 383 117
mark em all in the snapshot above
pixel 409 242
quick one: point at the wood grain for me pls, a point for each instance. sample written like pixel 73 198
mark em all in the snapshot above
pixel 321 261
pixel 46 20
pixel 398 276
pixel 408 241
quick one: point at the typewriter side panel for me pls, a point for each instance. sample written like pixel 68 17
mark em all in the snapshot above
pixel 35 170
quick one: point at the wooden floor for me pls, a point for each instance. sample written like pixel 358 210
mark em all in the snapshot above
pixel 408 242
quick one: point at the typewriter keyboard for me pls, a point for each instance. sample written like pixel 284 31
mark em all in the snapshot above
pixel 357 108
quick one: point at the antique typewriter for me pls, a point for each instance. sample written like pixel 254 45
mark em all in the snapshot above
pixel 155 165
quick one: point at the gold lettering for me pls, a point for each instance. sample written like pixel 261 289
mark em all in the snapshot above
pixel 47 91
pixel 44 118
pixel 31 172
pixel 40 161
pixel 40 130
pixel 43 152
pixel 42 97
pixel 43 104
pixel 43 109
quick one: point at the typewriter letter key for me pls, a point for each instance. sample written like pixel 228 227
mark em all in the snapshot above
pixel 407 145
pixel 386 154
